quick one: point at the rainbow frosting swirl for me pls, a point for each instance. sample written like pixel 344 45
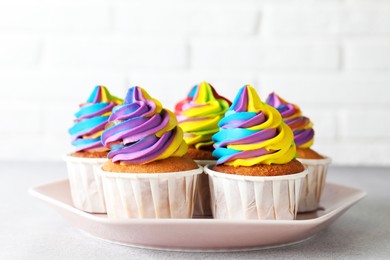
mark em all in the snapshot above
pixel 198 115
pixel 253 132
pixel 91 119
pixel 292 116
pixel 141 130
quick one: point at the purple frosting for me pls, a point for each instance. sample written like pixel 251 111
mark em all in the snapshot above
pixel 140 130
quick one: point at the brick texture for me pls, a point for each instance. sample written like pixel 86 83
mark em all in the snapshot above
pixel 264 55
pixel 216 20
pixel 373 55
pixel 118 52
pixel 54 18
pixel 332 58
pixel 19 52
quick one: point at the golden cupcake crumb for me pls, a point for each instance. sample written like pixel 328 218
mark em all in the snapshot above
pixel 90 154
pixel 171 164
pixel 307 153
pixel 262 169
pixel 199 154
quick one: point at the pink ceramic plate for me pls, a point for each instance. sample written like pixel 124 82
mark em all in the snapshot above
pixel 201 234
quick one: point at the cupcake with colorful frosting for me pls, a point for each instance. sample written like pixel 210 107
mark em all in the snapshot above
pixel 256 175
pixel 148 174
pixel 90 122
pixel 198 115
pixel 301 126
pixel 89 153
pixel 317 164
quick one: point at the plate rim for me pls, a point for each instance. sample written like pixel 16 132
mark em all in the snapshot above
pixel 320 222
pixel 34 191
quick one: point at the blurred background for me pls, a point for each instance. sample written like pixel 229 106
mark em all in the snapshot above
pixel 331 57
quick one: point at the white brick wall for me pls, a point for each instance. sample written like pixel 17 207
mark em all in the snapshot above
pixel 187 20
pixel 19 51
pixel 115 52
pixel 369 55
pixel 255 54
pixel 361 124
pixel 300 18
pixel 332 57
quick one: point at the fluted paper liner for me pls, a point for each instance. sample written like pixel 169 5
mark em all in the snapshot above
pixel 313 184
pixel 254 197
pixel 85 183
pixel 150 195
pixel 202 192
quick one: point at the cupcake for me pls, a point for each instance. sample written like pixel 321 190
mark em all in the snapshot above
pixel 256 175
pixel 317 164
pixel 148 174
pixel 89 153
pixel 198 115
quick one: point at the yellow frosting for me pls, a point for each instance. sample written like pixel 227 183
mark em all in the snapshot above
pixel 279 149
pixel 200 113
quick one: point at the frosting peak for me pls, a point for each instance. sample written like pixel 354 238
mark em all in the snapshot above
pixel 253 132
pixel 141 130
pixel 91 119
pixel 199 113
pixel 101 94
pixel 292 116
pixel 247 100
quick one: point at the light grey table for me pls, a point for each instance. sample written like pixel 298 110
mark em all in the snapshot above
pixel 30 229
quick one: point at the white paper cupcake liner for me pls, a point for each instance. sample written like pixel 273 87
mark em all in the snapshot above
pixel 254 197
pixel 202 192
pixel 85 184
pixel 313 184
pixel 149 195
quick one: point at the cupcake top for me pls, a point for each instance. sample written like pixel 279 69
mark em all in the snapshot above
pixel 141 131
pixel 198 115
pixel 252 133
pixel 292 116
pixel 91 119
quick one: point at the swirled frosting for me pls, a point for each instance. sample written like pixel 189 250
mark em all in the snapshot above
pixel 141 130
pixel 253 132
pixel 91 119
pixel 198 115
pixel 292 116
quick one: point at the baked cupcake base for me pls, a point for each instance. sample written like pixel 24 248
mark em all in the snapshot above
pixel 307 153
pixel 92 154
pixel 254 197
pixel 171 164
pixel 199 154
pixel 262 169
pixel 149 195
pixel 85 184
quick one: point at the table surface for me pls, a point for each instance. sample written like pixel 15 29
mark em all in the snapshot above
pixel 30 229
